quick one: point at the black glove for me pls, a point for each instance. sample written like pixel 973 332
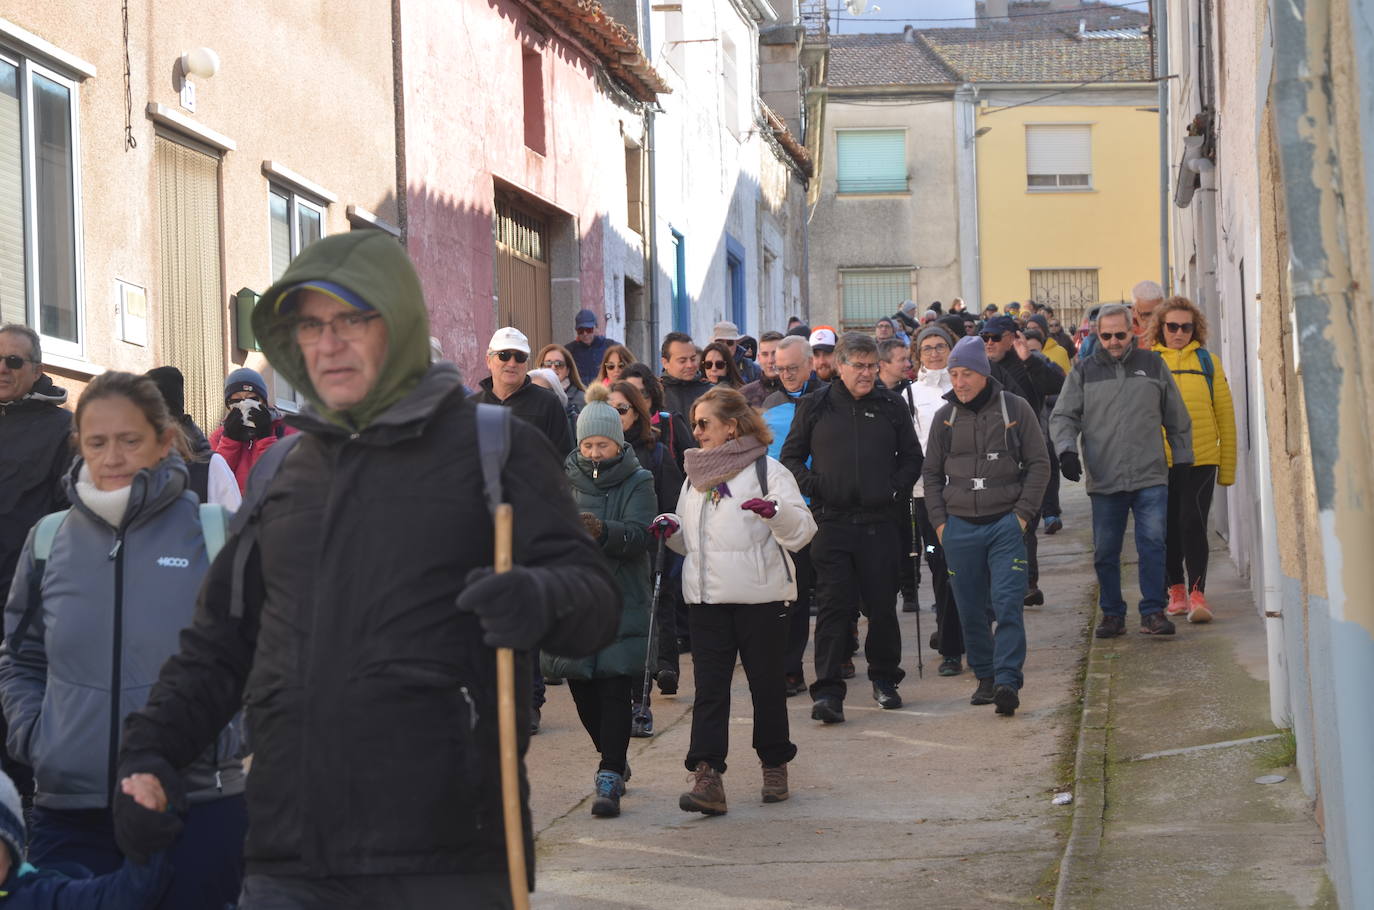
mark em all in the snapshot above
pixel 511 607
pixel 142 832
pixel 1070 466
pixel 244 424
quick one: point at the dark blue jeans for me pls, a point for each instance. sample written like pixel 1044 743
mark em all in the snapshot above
pixel 1151 508
pixel 987 569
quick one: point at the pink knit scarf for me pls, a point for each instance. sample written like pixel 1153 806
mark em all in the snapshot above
pixel 707 468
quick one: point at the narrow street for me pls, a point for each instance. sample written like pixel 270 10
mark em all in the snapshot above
pixel 938 803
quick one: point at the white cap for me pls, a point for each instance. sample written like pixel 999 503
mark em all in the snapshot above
pixel 725 331
pixel 823 337
pixel 509 338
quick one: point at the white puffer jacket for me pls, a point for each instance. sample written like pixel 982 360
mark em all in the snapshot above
pixel 928 392
pixel 735 556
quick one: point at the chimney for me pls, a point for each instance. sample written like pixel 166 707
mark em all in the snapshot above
pixel 909 34
pixel 995 10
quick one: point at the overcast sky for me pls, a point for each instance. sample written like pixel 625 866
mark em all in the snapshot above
pixel 892 15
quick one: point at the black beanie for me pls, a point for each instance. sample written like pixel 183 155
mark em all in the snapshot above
pixel 172 385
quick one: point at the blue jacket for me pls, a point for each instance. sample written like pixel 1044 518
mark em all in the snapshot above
pixel 130 887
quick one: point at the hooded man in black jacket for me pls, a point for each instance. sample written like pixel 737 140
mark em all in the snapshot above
pixel 854 452
pixel 354 612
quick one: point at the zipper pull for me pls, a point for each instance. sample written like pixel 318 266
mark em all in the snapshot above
pixel 219 780
pixel 119 541
pixel 596 470
pixel 472 708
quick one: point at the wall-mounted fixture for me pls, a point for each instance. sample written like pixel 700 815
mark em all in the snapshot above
pixel 202 62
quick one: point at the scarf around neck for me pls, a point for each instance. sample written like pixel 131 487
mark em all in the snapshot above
pixel 706 468
pixel 110 505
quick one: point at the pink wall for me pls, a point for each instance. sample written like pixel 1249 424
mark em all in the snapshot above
pixel 464 127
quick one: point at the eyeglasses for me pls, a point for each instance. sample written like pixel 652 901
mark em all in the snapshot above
pixel 505 356
pixel 863 367
pixel 1054 326
pixel 345 326
pixel 934 348
pixel 621 408
pixel 714 364
pixel 15 362
pixel 989 336
pixel 729 343
pixel 1179 326
pixel 554 365
pixel 1119 336
pixel 789 371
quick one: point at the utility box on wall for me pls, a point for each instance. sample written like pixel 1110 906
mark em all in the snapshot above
pixel 244 301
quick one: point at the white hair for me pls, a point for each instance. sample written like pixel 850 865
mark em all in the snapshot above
pixel 789 342
pixel 1147 290
pixel 552 383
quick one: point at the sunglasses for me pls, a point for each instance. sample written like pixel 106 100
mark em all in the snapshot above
pixel 621 408
pixel 15 362
pixel 505 356
pixel 1119 336
pixel 701 423
pixel 988 336
pixel 714 364
pixel 1179 326
pixel 553 365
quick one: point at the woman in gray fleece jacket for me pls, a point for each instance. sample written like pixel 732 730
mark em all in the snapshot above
pixel 100 615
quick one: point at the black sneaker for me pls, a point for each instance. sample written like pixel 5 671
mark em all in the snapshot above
pixel 642 723
pixel 910 604
pixel 983 694
pixel 684 645
pixel 553 680
pixel 847 670
pixel 667 682
pixel 885 694
pixel 1006 700
pixel 796 684
pixel 828 711
pixel 1156 624
pixel 1111 626
pixel 935 640
pixel 951 666
pixel 1034 598
pixel 1053 524
pixel 535 717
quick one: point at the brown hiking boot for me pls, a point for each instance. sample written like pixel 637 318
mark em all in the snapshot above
pixel 707 795
pixel 775 783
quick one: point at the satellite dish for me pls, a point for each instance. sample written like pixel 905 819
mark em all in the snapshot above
pixel 856 7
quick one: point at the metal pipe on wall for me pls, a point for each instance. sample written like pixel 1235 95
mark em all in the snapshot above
pixel 1161 36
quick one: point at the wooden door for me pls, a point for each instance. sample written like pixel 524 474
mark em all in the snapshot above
pixel 522 271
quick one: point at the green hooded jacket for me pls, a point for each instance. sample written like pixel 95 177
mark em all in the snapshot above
pixel 374 266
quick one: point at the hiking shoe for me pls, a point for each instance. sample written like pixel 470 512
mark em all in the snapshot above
pixel 1053 524
pixel 983 694
pixel 847 670
pixel 1156 624
pixel 707 795
pixel 1006 700
pixel 1198 611
pixel 828 711
pixel 642 724
pixel 775 783
pixel 1178 600
pixel 910 604
pixel 1111 626
pixel 553 680
pixel 667 682
pixel 1034 598
pixel 609 788
pixel 951 666
pixel 535 717
pixel 796 684
pixel 885 694
pixel 935 640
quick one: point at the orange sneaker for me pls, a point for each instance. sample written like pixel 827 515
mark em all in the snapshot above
pixel 1178 600
pixel 1198 611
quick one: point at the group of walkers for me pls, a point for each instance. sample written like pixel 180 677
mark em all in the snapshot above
pixel 318 591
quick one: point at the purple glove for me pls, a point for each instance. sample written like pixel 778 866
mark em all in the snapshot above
pixel 663 526
pixel 763 508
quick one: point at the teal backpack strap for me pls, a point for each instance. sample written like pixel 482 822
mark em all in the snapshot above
pixel 1204 358
pixel 214 527
pixel 44 533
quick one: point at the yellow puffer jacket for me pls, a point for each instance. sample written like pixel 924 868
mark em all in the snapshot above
pixel 1056 352
pixel 1214 418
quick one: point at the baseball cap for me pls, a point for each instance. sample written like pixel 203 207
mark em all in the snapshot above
pixel 823 338
pixel 585 319
pixel 999 324
pixel 509 338
pixel 286 300
pixel 725 331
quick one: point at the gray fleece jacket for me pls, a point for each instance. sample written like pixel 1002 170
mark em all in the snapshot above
pixel 1118 406
pixel 112 604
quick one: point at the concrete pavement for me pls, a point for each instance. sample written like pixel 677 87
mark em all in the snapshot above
pixel 937 803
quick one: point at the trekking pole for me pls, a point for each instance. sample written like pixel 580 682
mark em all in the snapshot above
pixel 505 714
pixel 915 556
pixel 653 609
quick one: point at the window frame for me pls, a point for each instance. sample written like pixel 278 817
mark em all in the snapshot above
pixel 27 68
pixel 1058 186
pixel 294 201
pixel 906 165
pixel 866 324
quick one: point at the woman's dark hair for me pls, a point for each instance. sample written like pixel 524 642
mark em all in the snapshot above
pixel 647 431
pixel 142 393
pixel 646 375
pixel 732 377
pixel 573 376
pixel 729 404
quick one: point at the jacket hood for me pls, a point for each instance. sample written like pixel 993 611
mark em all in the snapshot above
pixel 44 391
pixel 410 411
pixel 372 265
pixel 608 473
pixel 153 489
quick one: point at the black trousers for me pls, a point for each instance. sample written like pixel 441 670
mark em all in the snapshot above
pixel 603 706
pixel 799 614
pixel 665 617
pixel 367 892
pixel 1032 552
pixel 1185 541
pixel 949 633
pixel 757 633
pixel 855 567
pixel 1050 504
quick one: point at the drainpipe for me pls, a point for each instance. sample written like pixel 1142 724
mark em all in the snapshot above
pixel 651 229
pixel 1271 591
pixel 1161 74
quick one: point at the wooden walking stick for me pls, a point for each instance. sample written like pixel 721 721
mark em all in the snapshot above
pixel 505 713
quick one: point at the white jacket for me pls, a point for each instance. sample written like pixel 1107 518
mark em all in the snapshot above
pixel 735 556
pixel 928 391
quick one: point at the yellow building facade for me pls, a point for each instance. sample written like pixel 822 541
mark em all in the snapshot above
pixel 1073 242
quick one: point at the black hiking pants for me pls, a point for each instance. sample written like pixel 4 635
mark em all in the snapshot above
pixel 856 568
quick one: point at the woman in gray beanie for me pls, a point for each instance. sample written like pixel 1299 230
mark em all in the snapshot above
pixel 617 501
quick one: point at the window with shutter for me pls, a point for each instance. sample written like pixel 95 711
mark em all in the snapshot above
pixel 1059 156
pixel 870 294
pixel 294 224
pixel 871 161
